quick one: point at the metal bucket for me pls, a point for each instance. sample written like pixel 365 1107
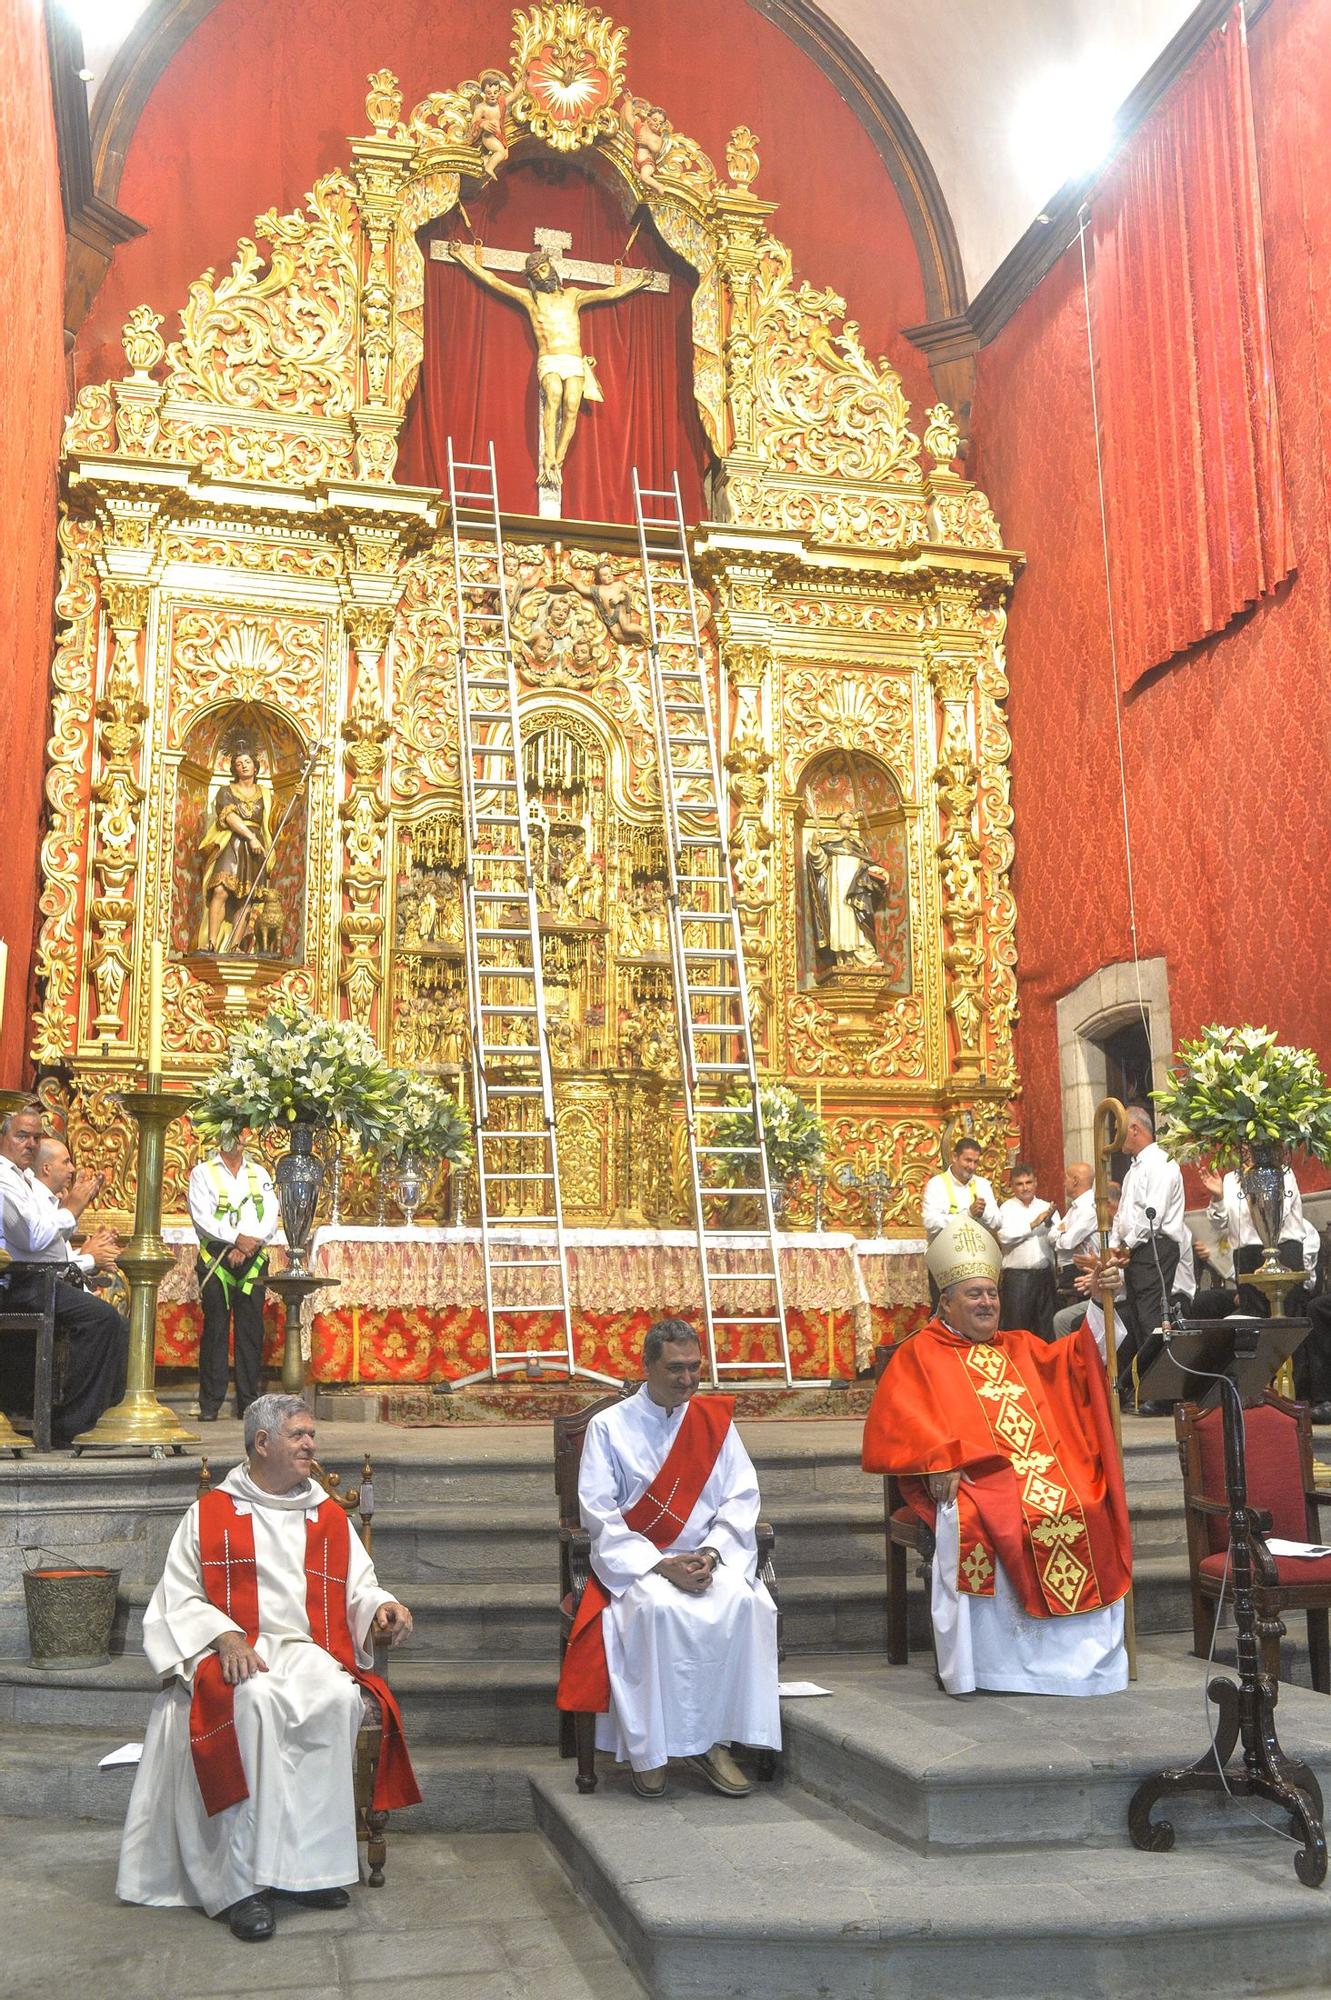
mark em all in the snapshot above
pixel 70 1615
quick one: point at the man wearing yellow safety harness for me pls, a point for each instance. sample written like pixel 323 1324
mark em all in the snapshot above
pixel 233 1206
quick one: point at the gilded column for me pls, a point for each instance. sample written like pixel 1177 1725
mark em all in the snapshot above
pixel 363 813
pixel 118 797
pixel 749 763
pixel 382 164
pixel 739 219
pixel 956 782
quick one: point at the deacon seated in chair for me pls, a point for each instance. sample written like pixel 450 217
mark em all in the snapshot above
pixel 675 1644
pixel 262 1624
pixel 1004 1445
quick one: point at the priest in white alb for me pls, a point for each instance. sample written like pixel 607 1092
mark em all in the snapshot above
pixel 263 1622
pixel 674 1643
pixel 1004 1446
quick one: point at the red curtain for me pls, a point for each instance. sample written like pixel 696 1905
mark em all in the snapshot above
pixel 1195 501
pixel 478 376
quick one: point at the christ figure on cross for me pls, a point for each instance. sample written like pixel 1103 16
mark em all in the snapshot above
pixel 564 374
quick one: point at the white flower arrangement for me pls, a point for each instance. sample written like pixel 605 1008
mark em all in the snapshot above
pixel 293 1067
pixel 1235 1088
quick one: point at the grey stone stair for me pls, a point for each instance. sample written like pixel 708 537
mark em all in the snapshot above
pixel 780 1895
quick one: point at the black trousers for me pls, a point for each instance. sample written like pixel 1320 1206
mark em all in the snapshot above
pixel 244 1311
pixel 1026 1298
pixel 1142 1306
pixel 1312 1363
pixel 98 1343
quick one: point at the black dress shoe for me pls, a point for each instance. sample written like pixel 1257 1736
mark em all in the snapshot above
pixel 251 1920
pixel 317 1899
pixel 1321 1413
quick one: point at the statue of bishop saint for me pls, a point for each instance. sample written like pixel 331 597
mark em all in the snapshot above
pixel 564 374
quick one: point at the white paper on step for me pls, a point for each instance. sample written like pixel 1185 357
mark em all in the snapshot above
pixel 128 1753
pixel 788 1689
pixel 1310 1550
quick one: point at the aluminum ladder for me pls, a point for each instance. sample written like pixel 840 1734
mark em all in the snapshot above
pixel 523 1253
pixel 740 1266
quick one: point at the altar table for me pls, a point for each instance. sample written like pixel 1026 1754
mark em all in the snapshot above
pixel 410 1304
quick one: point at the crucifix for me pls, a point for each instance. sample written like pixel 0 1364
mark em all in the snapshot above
pixel 564 374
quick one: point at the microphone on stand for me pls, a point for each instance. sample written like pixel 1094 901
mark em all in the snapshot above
pixel 1166 1323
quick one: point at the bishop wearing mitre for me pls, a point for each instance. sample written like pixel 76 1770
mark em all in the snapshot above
pixel 1004 1446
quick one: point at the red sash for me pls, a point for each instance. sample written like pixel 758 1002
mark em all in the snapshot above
pixel 230 1582
pixel 584 1682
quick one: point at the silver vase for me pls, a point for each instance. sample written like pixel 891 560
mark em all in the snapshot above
pixel 409 1187
pixel 299 1177
pixel 1264 1185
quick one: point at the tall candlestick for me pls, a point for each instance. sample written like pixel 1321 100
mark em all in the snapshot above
pixel 155 973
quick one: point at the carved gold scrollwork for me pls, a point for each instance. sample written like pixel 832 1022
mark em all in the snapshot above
pixel 824 407
pixel 281 338
pixel 118 797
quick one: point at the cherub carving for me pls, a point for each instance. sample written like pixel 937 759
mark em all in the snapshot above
pixel 614 600
pixel 488 119
pixel 649 129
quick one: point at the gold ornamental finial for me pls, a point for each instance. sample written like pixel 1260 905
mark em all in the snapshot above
pixel 742 156
pixel 143 344
pixel 942 436
pixel 383 103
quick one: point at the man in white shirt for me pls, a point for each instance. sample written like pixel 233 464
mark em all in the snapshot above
pixel 674 1643
pixel 54 1175
pixel 1229 1213
pixel 1151 1203
pixel 1026 1286
pixel 1076 1229
pixel 233 1206
pixel 36 1231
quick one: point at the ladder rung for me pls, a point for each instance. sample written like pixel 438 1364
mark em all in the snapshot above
pixel 513 1008
pixel 720 1069
pixel 697 992
pixel 526 1263
pixel 514 1090
pixel 708 951
pixel 754 1150
pixel 498 819
pixel 751 1188
pixel 718 1028
pixel 497 1133
pixel 704 916
pixel 486 681
pixel 498 1174
pixel 739 1277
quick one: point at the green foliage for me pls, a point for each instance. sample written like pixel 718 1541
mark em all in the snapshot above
pixel 793 1138
pixel 294 1066
pixel 1233 1088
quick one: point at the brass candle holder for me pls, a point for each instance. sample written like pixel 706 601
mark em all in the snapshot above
pixel 293 1288
pixel 139 1419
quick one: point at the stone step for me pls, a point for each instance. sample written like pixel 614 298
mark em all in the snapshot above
pixel 887 1750
pixel 52 1773
pixel 781 1895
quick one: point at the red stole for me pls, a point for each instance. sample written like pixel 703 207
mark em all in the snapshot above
pixel 584 1682
pixel 230 1582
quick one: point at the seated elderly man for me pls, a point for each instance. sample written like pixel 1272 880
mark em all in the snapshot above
pixel 36 1229
pixel 95 1258
pixel 1004 1445
pixel 674 1645
pixel 262 1624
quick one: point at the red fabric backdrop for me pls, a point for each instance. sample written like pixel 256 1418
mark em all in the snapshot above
pixel 1227 747
pixel 478 378
pixel 1194 489
pixel 259 100
pixel 32 398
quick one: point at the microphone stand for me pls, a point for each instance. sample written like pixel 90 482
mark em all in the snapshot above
pixel 1166 1328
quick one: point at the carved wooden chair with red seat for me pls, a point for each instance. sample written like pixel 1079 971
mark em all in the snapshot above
pixel 577 1731
pixel 50 1353
pixel 371 1822
pixel 1282 1492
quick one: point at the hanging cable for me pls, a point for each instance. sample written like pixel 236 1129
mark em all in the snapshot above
pixel 1083 219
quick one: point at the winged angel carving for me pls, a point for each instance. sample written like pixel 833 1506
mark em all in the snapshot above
pixel 822 406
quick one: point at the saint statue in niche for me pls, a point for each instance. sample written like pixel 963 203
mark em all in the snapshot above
pixel 233 851
pixel 846 889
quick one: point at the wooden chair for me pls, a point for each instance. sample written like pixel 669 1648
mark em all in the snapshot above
pixel 904 1534
pixel 1282 1494
pixel 371 1823
pixel 50 1352
pixel 577 1732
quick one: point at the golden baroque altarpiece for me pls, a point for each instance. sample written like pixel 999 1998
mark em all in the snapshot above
pixel 241 575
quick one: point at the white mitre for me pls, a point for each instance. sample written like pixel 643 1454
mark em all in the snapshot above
pixel 962 1249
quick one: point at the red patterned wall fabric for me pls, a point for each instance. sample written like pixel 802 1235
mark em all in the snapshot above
pixel 1194 491
pixel 478 378
pixel 1227 749
pixel 259 100
pixel 32 397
